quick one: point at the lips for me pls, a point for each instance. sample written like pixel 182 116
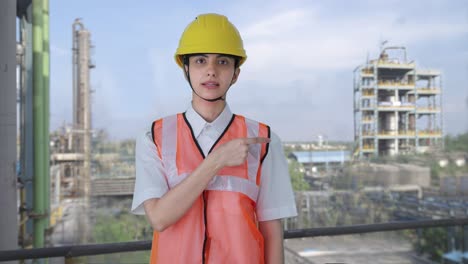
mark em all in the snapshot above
pixel 210 84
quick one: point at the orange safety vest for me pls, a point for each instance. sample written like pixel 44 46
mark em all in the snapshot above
pixel 221 226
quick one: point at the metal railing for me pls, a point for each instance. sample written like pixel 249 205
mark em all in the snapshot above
pixel 99 249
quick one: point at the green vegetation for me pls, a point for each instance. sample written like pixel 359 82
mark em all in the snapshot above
pixel 433 242
pixel 296 171
pixel 454 146
pixel 113 158
pixel 457 143
pixel 450 170
pixel 121 227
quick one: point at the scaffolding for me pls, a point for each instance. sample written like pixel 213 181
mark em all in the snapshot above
pixel 397 106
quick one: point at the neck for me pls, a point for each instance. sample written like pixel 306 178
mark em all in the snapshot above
pixel 208 110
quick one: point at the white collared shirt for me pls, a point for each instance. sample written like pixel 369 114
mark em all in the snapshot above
pixel 275 199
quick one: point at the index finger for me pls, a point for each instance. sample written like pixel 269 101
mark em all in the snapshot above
pixel 257 140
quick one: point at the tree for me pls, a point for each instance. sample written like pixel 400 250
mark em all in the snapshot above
pixel 456 143
pixel 121 227
pixel 433 242
pixel 296 171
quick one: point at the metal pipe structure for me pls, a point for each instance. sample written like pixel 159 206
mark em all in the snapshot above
pixel 8 203
pixel 39 211
pixel 21 89
pixel 75 29
pixel 26 128
pixel 46 81
pixel 397 48
pixel 82 109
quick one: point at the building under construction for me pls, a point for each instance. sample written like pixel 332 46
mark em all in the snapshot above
pixel 397 106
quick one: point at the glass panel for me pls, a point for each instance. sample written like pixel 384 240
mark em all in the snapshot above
pixel 373 131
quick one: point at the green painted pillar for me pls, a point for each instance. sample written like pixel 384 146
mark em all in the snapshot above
pixel 8 180
pixel 39 209
pixel 46 79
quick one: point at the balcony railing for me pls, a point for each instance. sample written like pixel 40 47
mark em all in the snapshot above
pixel 429 91
pixel 428 110
pixel 392 83
pixel 410 133
pixel 99 249
pixel 368 148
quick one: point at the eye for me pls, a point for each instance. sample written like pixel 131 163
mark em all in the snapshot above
pixel 200 60
pixel 223 61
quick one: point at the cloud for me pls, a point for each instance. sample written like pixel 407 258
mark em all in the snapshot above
pixel 294 43
pixel 282 22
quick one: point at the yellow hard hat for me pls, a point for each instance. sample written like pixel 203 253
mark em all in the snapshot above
pixel 210 33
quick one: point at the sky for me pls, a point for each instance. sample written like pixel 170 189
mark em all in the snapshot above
pixel 298 77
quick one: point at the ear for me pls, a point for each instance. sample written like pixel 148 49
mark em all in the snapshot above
pixel 235 76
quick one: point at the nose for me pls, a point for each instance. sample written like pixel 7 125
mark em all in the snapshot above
pixel 211 68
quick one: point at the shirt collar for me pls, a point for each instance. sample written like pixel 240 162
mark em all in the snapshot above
pixel 198 123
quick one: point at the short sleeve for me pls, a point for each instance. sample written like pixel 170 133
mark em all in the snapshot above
pixel 276 197
pixel 150 179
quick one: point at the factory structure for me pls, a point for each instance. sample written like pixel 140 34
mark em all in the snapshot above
pixel 397 106
pixel 55 165
pixel 71 147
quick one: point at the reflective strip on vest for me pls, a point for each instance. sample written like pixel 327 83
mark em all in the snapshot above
pixel 169 139
pixel 254 150
pixel 224 183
